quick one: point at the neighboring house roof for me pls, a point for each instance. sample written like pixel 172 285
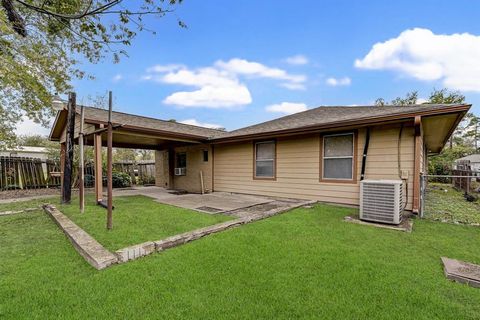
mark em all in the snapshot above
pixel 335 115
pixel 28 149
pixel 474 158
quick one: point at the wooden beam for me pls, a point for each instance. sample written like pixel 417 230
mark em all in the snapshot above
pixel 97 142
pixel 67 169
pixel 417 164
pixel 81 171
pixel 63 149
pixel 109 164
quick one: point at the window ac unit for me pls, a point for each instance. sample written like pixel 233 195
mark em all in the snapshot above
pixel 381 201
pixel 180 171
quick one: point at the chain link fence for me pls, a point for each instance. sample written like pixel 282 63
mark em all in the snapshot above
pixel 451 198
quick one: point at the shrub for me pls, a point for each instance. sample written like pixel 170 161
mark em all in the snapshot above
pixel 119 180
pixel 146 180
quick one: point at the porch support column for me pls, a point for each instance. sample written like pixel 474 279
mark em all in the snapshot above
pixel 417 164
pixel 171 167
pixel 63 149
pixel 97 142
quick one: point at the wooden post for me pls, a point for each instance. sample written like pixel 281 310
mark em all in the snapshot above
pixel 81 163
pixel 417 165
pixel 63 150
pixel 67 169
pixel 97 142
pixel 109 163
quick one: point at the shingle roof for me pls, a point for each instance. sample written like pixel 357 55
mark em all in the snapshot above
pixel 472 158
pixel 98 114
pixel 332 115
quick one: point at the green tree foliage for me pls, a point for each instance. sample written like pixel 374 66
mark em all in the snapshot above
pixel 442 164
pixel 409 99
pixel 437 96
pixel 42 41
pixel 122 154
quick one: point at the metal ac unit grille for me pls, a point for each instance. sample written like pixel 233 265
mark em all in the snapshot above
pixel 381 201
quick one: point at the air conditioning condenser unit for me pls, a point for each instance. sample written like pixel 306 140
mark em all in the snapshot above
pixel 382 201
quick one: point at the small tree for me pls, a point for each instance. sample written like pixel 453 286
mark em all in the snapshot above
pixel 42 41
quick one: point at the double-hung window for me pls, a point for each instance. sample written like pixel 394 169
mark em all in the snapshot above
pixel 338 156
pixel 265 160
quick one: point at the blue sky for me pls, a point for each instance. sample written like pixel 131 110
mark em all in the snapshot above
pixel 244 62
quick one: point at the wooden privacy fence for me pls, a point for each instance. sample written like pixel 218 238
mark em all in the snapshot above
pixel 27 173
pixel 462 179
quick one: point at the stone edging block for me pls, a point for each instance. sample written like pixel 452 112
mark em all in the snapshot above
pixel 135 251
pixel 92 251
pixel 461 271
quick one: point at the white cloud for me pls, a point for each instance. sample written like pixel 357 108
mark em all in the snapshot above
pixel 423 55
pixel 117 77
pixel 165 67
pixel 293 86
pixel 345 81
pixel 298 59
pixel 216 89
pixel 287 107
pixel 200 77
pixel 211 97
pixel 218 86
pixel 255 69
pixel 194 122
pixel 29 127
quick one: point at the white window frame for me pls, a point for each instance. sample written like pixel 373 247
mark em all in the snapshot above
pixel 273 160
pixel 339 157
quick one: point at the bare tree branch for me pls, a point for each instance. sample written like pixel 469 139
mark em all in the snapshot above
pixel 17 21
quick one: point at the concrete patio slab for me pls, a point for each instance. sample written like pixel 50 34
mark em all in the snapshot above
pixel 463 272
pixel 217 202
pixel 406 225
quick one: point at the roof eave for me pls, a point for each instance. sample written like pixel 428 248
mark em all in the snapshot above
pixel 340 124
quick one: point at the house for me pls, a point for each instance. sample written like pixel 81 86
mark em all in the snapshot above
pixel 26 152
pixel 472 161
pixel 319 154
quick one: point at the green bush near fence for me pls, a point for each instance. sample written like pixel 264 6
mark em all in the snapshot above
pixel 119 180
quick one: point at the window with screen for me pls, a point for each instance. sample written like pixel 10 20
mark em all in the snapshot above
pixel 338 156
pixel 265 159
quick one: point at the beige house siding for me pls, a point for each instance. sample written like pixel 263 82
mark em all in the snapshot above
pixel 195 165
pixel 298 166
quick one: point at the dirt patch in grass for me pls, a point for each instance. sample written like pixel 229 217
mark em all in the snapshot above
pixel 16 194
pixel 444 203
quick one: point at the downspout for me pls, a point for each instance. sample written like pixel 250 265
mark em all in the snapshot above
pixel 399 165
pixel 365 153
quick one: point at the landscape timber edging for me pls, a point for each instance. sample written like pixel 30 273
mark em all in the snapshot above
pixel 186 237
pixel 100 258
pixel 89 248
pixel 27 210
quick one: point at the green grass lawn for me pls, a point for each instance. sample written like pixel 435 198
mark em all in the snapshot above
pixel 444 203
pixel 307 263
pixel 136 219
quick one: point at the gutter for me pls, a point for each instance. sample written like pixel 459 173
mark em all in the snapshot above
pixel 338 124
